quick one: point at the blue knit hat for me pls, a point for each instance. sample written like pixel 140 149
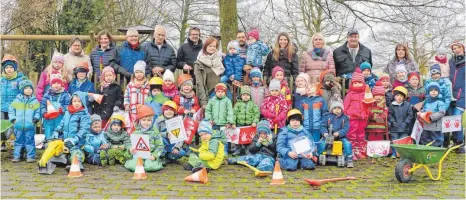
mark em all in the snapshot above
pixel 433 85
pixel 205 127
pixel 435 69
pixel 263 126
pixel 9 62
pixel 255 72
pixel 365 65
pixel 25 83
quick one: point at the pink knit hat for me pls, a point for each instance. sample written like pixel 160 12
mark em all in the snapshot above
pixel 106 70
pixel 378 90
pixel 58 57
pixel 357 77
pixel 254 33
pixel 277 69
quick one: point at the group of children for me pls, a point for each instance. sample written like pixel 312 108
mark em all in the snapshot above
pixel 98 132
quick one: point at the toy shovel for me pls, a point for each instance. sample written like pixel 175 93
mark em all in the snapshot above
pixel 257 172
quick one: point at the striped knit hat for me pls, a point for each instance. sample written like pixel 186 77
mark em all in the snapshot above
pixel 378 90
pixel 357 77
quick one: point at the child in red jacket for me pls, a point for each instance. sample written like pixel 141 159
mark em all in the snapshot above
pixel 378 115
pixel 358 113
pixel 279 74
pixel 272 102
pixel 187 101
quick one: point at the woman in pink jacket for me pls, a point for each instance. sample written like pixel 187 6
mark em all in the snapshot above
pixel 317 59
pixel 56 67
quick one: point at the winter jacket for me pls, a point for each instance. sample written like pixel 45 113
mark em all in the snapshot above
pixel 101 59
pixel 134 96
pixel 411 66
pixel 246 113
pixel 124 58
pixel 121 138
pixel 329 92
pixel 436 106
pixel 444 93
pixel 397 83
pixel 72 61
pixel 24 111
pixel 339 124
pixel 75 125
pixel 270 150
pixel 156 102
pixel 86 86
pixel 268 110
pixel 10 89
pixel 389 97
pixel 44 84
pixel 220 111
pixel 255 53
pixel 187 54
pixel 370 80
pixel 315 66
pixel 258 94
pixel 400 117
pixel 58 100
pixel 354 107
pixel 113 96
pixel 286 136
pixel 344 63
pixel 317 109
pixel 161 125
pixel 415 95
pixel 186 103
pixel 457 78
pixel 206 80
pixel 155 140
pixel 164 57
pixel 94 141
pixel 378 117
pixel 234 66
pixel 212 151
pixel 291 68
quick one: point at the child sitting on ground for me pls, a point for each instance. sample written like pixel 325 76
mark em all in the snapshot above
pixel 169 88
pixel 118 140
pixel 96 144
pixel 156 98
pixel 258 91
pixel 262 150
pixel 378 114
pixel 279 74
pixel 432 129
pixel 339 123
pixel 401 76
pixel 211 152
pixel 246 113
pixel 24 114
pixel 275 107
pixel 400 116
pixel 233 63
pixel 144 126
pixel 187 101
pixel 369 77
pixel 288 136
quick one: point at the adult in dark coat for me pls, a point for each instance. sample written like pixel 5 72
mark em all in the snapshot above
pixel 350 55
pixel 100 56
pixel 283 55
pixel 127 54
pixel 457 78
pixel 188 52
pixel 159 55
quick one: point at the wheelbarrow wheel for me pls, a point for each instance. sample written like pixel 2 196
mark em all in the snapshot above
pixel 402 168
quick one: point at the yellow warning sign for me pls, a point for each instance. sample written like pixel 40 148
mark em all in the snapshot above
pixel 176 132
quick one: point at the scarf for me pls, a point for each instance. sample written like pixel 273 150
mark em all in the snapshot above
pixel 11 76
pixel 301 91
pixel 442 61
pixel 459 61
pixel 134 46
pixel 168 89
pixel 73 110
pixel 317 53
pixel 256 83
pixel 357 89
pixel 213 61
pixel 139 83
pixel 188 94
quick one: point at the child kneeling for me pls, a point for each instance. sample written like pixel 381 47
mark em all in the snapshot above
pixel 262 149
pixel 96 144
pixel 293 132
pixel 145 115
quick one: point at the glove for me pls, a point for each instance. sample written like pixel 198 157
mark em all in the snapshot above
pixel 127 74
pixel 34 121
pixel 68 143
pixel 116 109
pixel 90 98
pixel 13 121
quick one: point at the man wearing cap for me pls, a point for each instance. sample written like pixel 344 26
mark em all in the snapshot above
pixel 188 52
pixel 159 55
pixel 127 54
pixel 350 55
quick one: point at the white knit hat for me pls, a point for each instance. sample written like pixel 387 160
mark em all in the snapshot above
pixel 274 85
pixel 140 66
pixel 168 75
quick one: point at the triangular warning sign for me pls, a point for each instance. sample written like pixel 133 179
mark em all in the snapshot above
pixel 176 132
pixel 141 145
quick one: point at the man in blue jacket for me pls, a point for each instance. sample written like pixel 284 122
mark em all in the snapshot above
pixel 127 54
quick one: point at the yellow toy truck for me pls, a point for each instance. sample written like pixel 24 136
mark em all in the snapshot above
pixel 333 151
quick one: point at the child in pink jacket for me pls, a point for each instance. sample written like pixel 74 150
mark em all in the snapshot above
pixel 269 106
pixel 56 67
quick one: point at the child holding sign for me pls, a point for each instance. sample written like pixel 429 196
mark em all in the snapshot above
pixel 433 125
pixel 246 114
pixel 295 145
pixel 145 115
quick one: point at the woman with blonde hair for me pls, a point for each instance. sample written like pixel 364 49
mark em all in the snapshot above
pixel 317 59
pixel 401 57
pixel 283 55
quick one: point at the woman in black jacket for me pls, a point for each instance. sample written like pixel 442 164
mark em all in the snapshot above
pixel 112 95
pixel 283 55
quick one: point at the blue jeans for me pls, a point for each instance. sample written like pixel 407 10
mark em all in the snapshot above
pixel 396 136
pixel 347 147
pixel 429 136
pixel 260 161
pixel 457 136
pixel 25 139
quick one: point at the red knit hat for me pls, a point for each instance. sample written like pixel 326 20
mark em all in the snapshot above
pixel 56 78
pixel 277 69
pixel 221 87
pixel 378 90
pixel 378 83
pixel 412 74
pixel 357 77
pixel 254 33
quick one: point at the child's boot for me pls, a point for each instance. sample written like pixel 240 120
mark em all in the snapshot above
pixel 349 162
pixel 30 160
pixel 187 166
pixel 236 149
pixel 362 150
pixel 232 161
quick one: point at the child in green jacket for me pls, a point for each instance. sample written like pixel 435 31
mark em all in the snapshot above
pixel 118 139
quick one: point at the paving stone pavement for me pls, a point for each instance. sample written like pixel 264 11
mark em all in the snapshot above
pixel 376 180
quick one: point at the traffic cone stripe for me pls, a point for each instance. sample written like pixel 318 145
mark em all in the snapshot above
pixel 277 177
pixel 199 176
pixel 195 177
pixel 139 172
pixel 75 170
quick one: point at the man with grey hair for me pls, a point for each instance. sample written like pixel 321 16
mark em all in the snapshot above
pixel 159 55
pixel 127 54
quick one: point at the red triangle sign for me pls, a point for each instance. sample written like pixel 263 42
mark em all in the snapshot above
pixel 141 145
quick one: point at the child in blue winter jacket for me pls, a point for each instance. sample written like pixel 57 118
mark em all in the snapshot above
pixel 291 135
pixel 81 82
pixel 233 64
pixel 369 77
pixel 445 91
pixel 24 113
pixel 339 124
pixel 74 127
pixel 256 51
pixel 262 149
pixel 55 99
pixel 316 109
pixel 96 143
pixel 435 106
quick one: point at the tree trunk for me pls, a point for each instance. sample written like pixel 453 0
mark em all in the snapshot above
pixel 184 21
pixel 228 21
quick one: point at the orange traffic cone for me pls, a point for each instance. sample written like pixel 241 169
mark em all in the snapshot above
pixel 425 116
pixel 368 98
pixel 139 173
pixel 75 171
pixel 97 97
pixel 277 177
pixel 199 176
pixel 52 112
